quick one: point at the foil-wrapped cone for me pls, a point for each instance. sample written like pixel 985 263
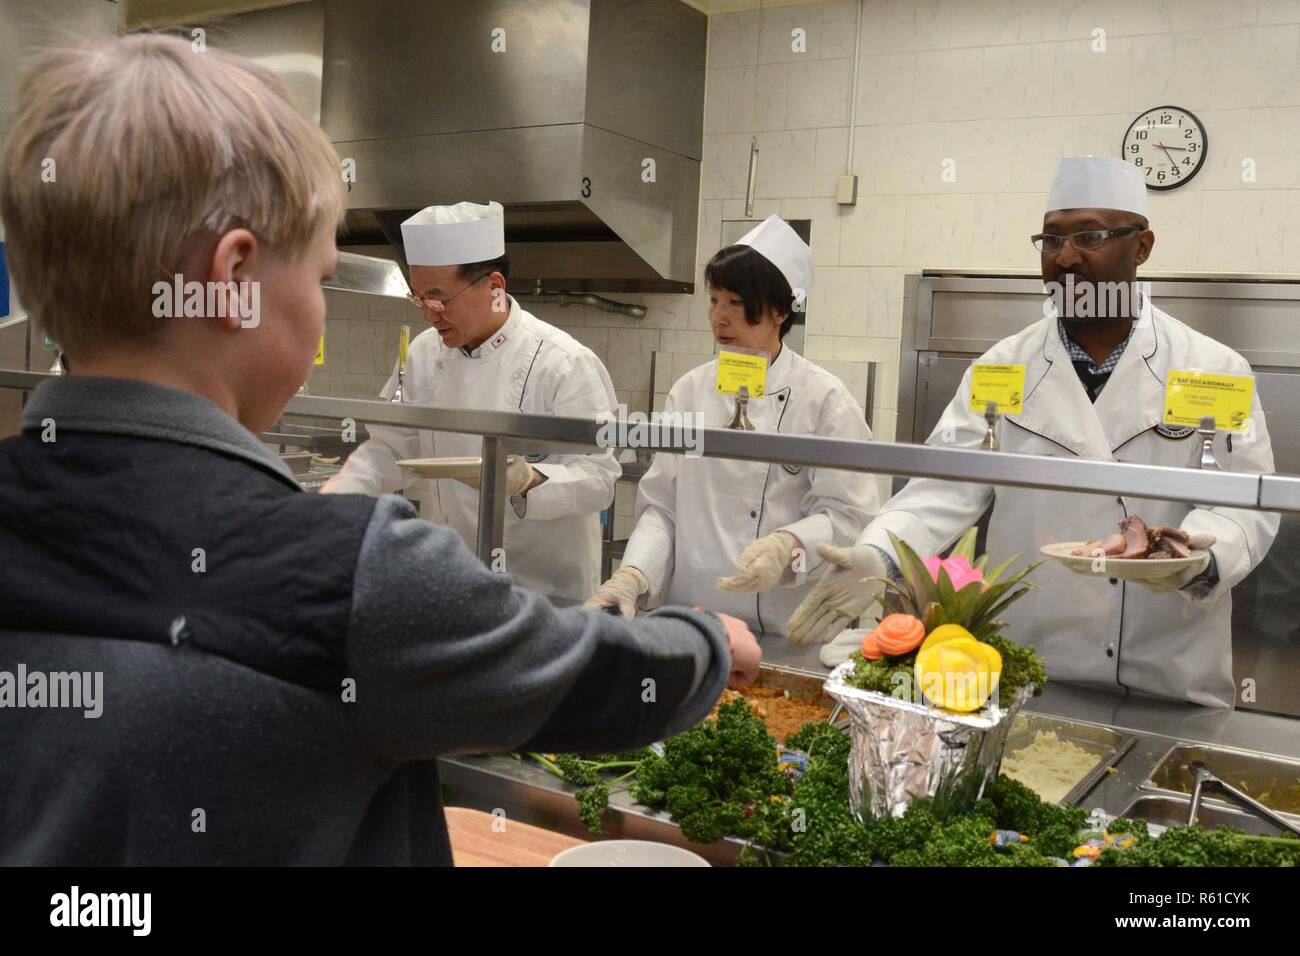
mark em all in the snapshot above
pixel 903 750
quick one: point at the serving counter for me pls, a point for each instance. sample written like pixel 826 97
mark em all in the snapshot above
pixel 1150 741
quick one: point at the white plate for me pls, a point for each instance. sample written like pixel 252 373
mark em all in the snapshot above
pixel 1129 569
pixel 627 853
pixel 443 467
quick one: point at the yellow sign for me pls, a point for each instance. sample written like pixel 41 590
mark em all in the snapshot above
pixel 740 368
pixel 1004 384
pixel 403 344
pixel 1191 395
pixel 320 351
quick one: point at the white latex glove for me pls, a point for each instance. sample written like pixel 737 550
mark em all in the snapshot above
pixel 519 477
pixel 840 595
pixel 621 591
pixel 762 564
pixel 1178 579
pixel 838 650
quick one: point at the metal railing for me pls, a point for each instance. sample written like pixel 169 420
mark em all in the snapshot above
pixel 506 433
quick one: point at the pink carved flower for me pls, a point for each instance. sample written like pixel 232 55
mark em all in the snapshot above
pixel 960 572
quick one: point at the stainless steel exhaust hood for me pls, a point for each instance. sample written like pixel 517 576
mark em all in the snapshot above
pixel 584 118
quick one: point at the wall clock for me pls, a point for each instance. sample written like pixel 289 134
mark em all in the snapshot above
pixel 1167 145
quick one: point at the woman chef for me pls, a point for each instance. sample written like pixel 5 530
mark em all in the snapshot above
pixel 717 532
pixel 1094 389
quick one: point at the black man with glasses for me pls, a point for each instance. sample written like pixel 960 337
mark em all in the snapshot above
pixel 1095 373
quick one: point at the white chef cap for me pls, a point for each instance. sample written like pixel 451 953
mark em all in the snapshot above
pixel 455 235
pixel 780 245
pixel 1098 182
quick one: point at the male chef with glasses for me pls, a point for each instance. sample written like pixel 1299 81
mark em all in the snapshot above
pixel 1096 368
pixel 483 351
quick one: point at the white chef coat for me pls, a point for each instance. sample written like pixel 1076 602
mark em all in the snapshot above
pixel 527 366
pixel 1094 630
pixel 695 515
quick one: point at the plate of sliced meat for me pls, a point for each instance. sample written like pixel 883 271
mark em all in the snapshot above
pixel 1135 553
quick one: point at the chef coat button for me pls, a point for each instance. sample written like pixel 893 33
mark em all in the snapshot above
pixel 1110 652
pixel 780 398
pixel 753 514
pixel 1114 580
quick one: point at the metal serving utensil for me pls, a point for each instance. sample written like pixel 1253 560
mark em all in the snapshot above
pixel 740 420
pixel 990 442
pixel 838 718
pixel 1207 461
pixel 1203 778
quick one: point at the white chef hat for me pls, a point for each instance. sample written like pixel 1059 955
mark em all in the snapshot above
pixel 455 235
pixel 1098 182
pixel 780 245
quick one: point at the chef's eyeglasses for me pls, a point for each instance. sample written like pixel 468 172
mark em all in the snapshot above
pixel 440 305
pixel 1092 239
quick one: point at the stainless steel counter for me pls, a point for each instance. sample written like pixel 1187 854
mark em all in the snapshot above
pixel 529 794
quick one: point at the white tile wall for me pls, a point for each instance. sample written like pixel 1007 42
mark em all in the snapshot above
pixel 361 337
pixel 1003 88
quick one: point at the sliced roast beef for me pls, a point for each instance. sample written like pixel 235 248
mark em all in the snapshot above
pixel 1111 547
pixel 1137 539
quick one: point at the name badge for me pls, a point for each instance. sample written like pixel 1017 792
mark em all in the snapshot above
pixel 1191 395
pixel 742 368
pixel 1004 384
pixel 403 347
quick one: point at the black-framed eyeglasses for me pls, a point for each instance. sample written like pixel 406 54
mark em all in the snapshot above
pixel 1091 239
pixel 440 305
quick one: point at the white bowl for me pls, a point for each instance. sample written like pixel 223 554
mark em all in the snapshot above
pixel 627 853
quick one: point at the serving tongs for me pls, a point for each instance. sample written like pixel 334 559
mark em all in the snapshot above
pixel 740 420
pixel 1204 459
pixel 403 344
pixel 990 442
pixel 838 717
pixel 1203 778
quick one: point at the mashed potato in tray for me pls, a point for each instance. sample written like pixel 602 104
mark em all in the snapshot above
pixel 1048 765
